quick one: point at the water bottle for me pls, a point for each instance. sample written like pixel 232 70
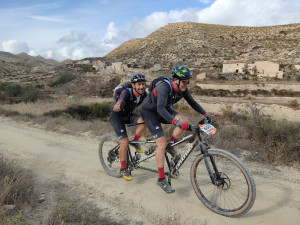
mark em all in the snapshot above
pixel 149 150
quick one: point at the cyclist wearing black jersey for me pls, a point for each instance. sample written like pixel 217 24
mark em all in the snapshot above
pixel 122 113
pixel 157 109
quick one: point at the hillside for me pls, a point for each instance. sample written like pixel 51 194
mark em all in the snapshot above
pixel 23 67
pixel 25 59
pixel 198 44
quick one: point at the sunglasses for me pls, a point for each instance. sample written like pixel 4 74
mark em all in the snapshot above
pixel 185 82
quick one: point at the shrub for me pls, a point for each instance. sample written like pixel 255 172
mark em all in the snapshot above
pixel 254 78
pixel 80 112
pixel 275 141
pixel 66 116
pixel 100 110
pixel 13 90
pixel 87 68
pixel 29 93
pixel 62 80
pixel 3 86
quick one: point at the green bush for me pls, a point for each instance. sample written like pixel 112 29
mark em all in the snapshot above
pixel 13 90
pixel 66 116
pixel 100 110
pixel 3 86
pixel 29 93
pixel 87 68
pixel 62 80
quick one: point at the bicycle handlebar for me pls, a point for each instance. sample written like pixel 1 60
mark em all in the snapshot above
pixel 193 127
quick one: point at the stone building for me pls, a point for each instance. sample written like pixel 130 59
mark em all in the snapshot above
pixel 234 66
pixel 251 68
pixel 267 68
pixel 98 65
pixel 263 68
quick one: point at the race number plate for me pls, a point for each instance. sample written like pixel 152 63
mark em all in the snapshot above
pixel 208 128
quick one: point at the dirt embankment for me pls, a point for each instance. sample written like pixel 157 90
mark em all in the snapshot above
pixel 73 160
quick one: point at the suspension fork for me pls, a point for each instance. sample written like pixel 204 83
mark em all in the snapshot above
pixel 204 146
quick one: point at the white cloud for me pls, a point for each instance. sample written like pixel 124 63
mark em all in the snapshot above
pixel 75 35
pixel 15 46
pixel 79 44
pixel 111 32
pixel 251 13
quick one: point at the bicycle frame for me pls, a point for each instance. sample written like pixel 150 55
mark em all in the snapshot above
pixel 167 159
pixel 203 147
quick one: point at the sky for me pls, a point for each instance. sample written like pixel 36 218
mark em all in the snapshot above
pixel 73 29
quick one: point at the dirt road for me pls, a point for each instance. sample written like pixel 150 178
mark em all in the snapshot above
pixel 73 160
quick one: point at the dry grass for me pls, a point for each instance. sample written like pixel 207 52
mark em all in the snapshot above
pixel 271 141
pixel 16 187
pixel 33 113
pixel 73 210
pixel 37 108
pixel 41 107
pixel 18 190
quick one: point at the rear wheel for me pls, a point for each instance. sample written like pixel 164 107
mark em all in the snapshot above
pixel 109 154
pixel 234 192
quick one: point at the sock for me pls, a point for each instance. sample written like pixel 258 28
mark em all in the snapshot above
pixel 161 173
pixel 123 165
pixel 173 139
pixel 136 137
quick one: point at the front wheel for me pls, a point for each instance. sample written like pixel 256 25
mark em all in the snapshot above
pixel 109 154
pixel 233 191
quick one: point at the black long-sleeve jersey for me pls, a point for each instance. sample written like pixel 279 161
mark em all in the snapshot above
pixel 128 101
pixel 159 100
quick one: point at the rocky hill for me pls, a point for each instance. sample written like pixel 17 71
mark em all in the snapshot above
pixel 198 44
pixel 25 59
pixel 23 67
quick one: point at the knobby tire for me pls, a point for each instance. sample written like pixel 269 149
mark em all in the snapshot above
pixel 110 160
pixel 235 196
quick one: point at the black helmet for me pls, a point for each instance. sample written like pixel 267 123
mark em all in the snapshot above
pixel 138 77
pixel 181 73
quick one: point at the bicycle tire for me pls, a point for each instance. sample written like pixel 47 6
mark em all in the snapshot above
pixel 109 158
pixel 235 196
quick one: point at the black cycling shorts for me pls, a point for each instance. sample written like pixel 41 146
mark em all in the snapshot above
pixel 118 123
pixel 153 122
